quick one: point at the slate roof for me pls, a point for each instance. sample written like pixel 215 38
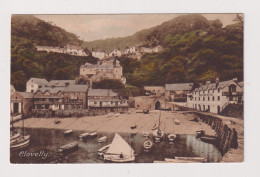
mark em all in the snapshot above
pixel 178 87
pixel 61 83
pixel 221 85
pixel 38 81
pixel 50 89
pixel 76 88
pixel 26 94
pixel 101 92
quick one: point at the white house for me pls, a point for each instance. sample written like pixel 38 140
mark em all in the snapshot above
pixel 215 97
pixel 115 53
pixel 34 83
pixel 98 54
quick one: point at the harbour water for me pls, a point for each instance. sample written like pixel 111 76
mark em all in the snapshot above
pixel 45 142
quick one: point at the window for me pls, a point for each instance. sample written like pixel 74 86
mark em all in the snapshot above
pixel 218 89
pixel 32 86
pixel 195 98
pixel 208 99
pixel 203 98
pixel 218 98
pixel 199 98
pixel 95 102
pixel 208 91
pixel 213 91
pixel 213 98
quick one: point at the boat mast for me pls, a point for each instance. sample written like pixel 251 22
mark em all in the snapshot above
pixel 159 122
pixel 22 120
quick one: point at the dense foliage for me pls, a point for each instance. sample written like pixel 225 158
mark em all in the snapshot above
pixel 195 50
pixel 194 56
pixel 26 62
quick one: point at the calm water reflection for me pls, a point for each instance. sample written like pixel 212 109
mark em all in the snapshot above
pixel 48 141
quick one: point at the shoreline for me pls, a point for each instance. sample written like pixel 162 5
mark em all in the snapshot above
pixel 144 122
pixel 122 123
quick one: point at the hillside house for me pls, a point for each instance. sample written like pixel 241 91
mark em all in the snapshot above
pixel 34 83
pixel 115 53
pixel 48 98
pixel 75 97
pixel 103 101
pixel 177 92
pixel 103 70
pixel 98 54
pixel 215 97
pixel 155 90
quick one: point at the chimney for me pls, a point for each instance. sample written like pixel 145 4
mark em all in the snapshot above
pixel 217 82
pixel 235 80
pixel 67 83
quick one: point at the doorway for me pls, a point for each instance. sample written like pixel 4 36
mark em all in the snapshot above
pixel 16 106
pixel 157 105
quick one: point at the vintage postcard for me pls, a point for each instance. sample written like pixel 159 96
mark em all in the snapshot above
pixel 133 88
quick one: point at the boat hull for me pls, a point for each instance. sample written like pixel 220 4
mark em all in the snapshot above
pixel 20 145
pixel 158 137
pixel 119 160
pixel 102 139
pixel 68 148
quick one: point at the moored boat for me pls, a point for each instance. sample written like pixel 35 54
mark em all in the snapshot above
pixel 19 140
pixel 68 147
pixel 102 139
pixel 101 151
pixel 177 121
pixel 158 135
pixel 92 135
pixel 15 136
pixel 148 144
pixel 172 137
pixel 133 126
pixel 67 132
pixel 83 135
pixel 20 145
pixel 57 121
pixel 200 133
pixel 145 134
pixel 119 151
pixel 209 139
pixel 154 127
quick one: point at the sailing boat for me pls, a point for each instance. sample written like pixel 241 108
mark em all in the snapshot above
pixel 119 151
pixel 18 141
pixel 158 133
pixel 172 136
pixel 148 144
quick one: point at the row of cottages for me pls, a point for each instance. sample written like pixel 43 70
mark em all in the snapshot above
pixel 64 95
pixel 34 83
pixel 102 70
pixel 215 97
pixel 172 92
pixel 54 98
pixel 103 101
pixel 132 52
pixel 68 49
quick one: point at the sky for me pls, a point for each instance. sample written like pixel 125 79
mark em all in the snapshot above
pixel 93 27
